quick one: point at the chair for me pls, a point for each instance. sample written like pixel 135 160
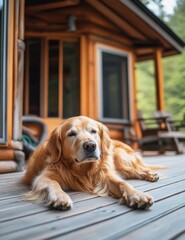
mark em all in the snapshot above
pixel 34 132
pixel 175 125
pixel 158 133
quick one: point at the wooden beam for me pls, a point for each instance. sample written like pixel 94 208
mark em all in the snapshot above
pixel 21 19
pixel 18 74
pixel 26 80
pixel 44 78
pixel 83 75
pixel 91 79
pixel 52 5
pixel 8 166
pixel 10 68
pixel 133 101
pixel 60 80
pixel 118 21
pixel 7 154
pixel 159 79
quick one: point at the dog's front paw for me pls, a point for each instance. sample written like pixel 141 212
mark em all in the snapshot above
pixel 152 177
pixel 60 201
pixel 137 199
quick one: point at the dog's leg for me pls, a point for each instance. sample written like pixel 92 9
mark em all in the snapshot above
pixel 127 194
pixel 49 190
pixel 131 166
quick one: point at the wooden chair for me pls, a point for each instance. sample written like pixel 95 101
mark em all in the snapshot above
pixel 158 134
pixel 175 125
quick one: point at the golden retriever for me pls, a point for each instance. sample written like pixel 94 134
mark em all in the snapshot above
pixel 79 155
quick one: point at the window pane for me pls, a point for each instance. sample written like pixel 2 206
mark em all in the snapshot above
pixel 115 86
pixel 71 83
pixel 34 75
pixel 3 70
pixel 53 78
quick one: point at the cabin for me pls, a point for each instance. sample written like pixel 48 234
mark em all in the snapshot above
pixel 60 58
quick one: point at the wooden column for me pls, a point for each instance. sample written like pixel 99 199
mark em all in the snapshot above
pixel 133 101
pixel 91 89
pixel 159 79
pixel 83 75
pixel 10 70
pixel 11 155
pixel 60 80
pixel 19 47
pixel 44 78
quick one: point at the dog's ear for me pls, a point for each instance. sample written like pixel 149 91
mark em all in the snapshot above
pixel 54 145
pixel 106 142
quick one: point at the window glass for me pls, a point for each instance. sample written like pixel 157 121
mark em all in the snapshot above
pixel 53 78
pixel 3 70
pixel 34 75
pixel 115 103
pixel 71 81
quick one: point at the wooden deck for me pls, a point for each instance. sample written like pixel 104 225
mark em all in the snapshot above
pixel 95 217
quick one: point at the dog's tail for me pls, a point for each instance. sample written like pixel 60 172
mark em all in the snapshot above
pixel 150 166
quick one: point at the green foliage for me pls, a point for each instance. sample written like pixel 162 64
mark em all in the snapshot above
pixel 177 20
pixel 174 85
pixel 174 74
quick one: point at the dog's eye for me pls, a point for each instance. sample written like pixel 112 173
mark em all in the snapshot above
pixel 72 134
pixel 93 131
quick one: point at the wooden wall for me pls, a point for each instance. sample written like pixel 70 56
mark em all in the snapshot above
pixel 96 25
pixel 93 28
pixel 11 155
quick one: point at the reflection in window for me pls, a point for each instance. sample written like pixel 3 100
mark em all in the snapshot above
pixel 115 86
pixel 53 78
pixel 34 46
pixel 71 83
pixel 3 70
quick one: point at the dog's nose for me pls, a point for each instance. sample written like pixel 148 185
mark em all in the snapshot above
pixel 89 146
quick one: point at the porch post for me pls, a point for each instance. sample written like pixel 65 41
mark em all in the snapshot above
pixel 159 79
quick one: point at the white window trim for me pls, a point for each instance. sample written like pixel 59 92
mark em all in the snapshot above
pixel 100 50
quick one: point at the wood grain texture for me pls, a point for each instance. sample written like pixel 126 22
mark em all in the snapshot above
pixel 94 217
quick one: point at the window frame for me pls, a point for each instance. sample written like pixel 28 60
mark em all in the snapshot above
pixel 3 72
pixel 111 50
pixel 44 75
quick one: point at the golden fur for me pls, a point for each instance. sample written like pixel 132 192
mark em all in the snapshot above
pixel 79 155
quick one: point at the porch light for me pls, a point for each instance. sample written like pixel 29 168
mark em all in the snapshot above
pixel 71 23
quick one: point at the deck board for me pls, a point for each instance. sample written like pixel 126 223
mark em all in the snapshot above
pixel 95 217
pixel 157 227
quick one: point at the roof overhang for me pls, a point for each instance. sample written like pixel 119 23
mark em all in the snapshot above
pixel 126 21
pixel 175 44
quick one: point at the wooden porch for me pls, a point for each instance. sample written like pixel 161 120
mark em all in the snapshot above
pixel 95 217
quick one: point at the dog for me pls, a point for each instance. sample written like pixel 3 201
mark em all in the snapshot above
pixel 80 155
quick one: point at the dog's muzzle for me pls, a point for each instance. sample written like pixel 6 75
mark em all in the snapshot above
pixel 91 152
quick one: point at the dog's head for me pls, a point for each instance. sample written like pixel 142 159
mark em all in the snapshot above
pixel 79 139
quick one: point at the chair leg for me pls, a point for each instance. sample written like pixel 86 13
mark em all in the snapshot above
pixel 177 145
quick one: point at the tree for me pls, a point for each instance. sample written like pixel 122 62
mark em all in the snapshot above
pixel 174 72
pixel 158 5
pixel 174 67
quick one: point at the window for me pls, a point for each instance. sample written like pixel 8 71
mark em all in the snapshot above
pixel 3 71
pixel 71 81
pixel 34 48
pixel 114 86
pixel 53 79
pixel 59 60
